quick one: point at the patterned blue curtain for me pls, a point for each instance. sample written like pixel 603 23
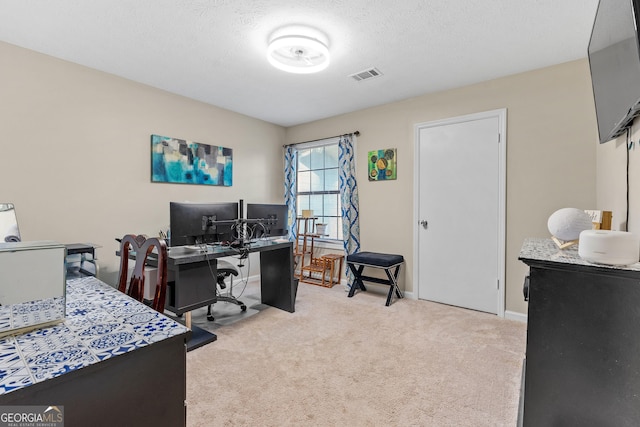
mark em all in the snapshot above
pixel 290 199
pixel 349 197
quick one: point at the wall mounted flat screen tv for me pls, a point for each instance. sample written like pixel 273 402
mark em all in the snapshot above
pixel 614 61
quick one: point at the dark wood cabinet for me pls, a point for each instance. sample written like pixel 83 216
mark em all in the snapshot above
pixel 583 341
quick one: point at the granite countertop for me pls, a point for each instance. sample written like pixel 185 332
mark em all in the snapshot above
pixel 546 250
pixel 100 323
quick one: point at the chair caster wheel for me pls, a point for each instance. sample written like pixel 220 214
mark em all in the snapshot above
pixel 210 318
pixel 243 307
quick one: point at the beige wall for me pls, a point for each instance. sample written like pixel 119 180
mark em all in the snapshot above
pixel 75 152
pixel 551 163
pixel 612 181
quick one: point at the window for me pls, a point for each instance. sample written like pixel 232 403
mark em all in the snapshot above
pixel 317 187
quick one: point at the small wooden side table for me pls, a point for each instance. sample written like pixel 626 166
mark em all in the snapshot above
pixel 319 266
pixel 330 261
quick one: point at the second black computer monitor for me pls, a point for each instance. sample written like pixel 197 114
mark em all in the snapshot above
pixel 267 220
pixel 195 223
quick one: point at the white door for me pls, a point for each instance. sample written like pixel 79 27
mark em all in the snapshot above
pixel 460 211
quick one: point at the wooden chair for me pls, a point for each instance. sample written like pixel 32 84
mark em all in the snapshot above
pixel 143 246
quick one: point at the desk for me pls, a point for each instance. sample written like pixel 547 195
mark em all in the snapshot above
pixel 113 361
pixel 194 283
pixel 83 249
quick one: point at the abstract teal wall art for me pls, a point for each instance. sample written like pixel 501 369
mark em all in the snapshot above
pixel 187 162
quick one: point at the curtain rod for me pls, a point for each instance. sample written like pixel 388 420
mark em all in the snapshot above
pixel 356 133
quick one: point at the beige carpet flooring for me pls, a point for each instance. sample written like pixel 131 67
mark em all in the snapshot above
pixel 341 361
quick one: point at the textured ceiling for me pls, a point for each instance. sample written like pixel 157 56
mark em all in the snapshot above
pixel 214 50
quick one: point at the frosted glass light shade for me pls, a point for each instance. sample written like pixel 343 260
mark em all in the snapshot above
pixel 298 54
pixel 567 223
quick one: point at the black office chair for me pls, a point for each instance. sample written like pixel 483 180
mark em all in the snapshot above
pixel 225 270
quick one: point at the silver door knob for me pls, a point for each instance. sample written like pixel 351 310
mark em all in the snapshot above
pixel 424 223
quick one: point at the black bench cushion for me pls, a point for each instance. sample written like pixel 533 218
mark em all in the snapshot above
pixel 374 258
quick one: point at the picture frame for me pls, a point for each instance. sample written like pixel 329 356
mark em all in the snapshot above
pixel 382 164
pixel 181 161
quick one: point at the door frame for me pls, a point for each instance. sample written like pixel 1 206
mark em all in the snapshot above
pixel 501 114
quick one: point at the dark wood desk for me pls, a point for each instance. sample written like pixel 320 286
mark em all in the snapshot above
pixel 194 280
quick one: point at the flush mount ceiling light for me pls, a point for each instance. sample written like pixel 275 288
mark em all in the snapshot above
pixel 303 51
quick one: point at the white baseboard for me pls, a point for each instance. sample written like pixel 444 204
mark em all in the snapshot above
pixel 379 289
pixel 254 278
pixel 373 287
pixel 384 289
pixel 514 315
pixel 409 295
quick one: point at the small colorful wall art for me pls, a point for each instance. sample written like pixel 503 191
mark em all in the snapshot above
pixel 382 164
pixel 187 162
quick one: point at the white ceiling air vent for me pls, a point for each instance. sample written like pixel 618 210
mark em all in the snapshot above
pixel 366 74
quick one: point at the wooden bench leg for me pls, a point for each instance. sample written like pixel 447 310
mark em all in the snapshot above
pixel 393 283
pixel 357 279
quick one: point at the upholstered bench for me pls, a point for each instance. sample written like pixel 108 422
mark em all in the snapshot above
pixel 388 262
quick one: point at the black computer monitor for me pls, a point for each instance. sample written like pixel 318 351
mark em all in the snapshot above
pixel 267 220
pixel 194 223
